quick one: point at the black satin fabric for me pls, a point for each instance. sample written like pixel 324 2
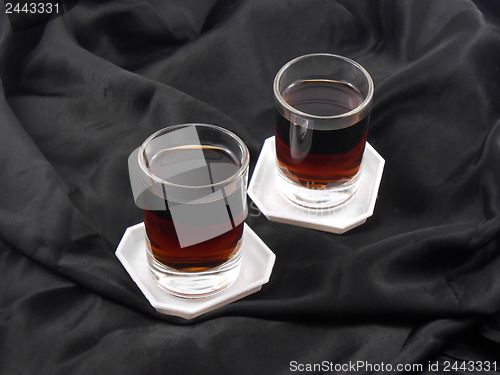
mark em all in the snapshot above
pixel 419 282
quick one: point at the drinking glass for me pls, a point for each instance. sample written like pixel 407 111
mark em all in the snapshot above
pixel 324 102
pixel 191 181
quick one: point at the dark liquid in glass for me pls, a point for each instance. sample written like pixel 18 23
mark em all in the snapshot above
pixel 320 157
pixel 160 229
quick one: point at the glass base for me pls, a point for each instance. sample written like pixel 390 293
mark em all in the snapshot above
pixel 317 198
pixel 194 284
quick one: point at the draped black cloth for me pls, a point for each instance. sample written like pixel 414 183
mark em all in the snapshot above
pixel 418 283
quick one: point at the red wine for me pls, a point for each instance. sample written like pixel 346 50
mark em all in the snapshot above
pixel 214 165
pixel 320 157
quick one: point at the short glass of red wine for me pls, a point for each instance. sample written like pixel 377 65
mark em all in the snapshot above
pixel 191 182
pixel 324 104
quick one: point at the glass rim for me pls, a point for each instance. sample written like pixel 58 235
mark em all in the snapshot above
pixel 359 109
pixel 245 160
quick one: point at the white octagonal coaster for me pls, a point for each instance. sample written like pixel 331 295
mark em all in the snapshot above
pixel 262 189
pixel 256 266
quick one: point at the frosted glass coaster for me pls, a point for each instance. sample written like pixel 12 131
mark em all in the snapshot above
pixel 256 267
pixel 262 190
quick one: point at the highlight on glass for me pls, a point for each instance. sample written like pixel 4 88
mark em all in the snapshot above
pixel 191 182
pixel 323 103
